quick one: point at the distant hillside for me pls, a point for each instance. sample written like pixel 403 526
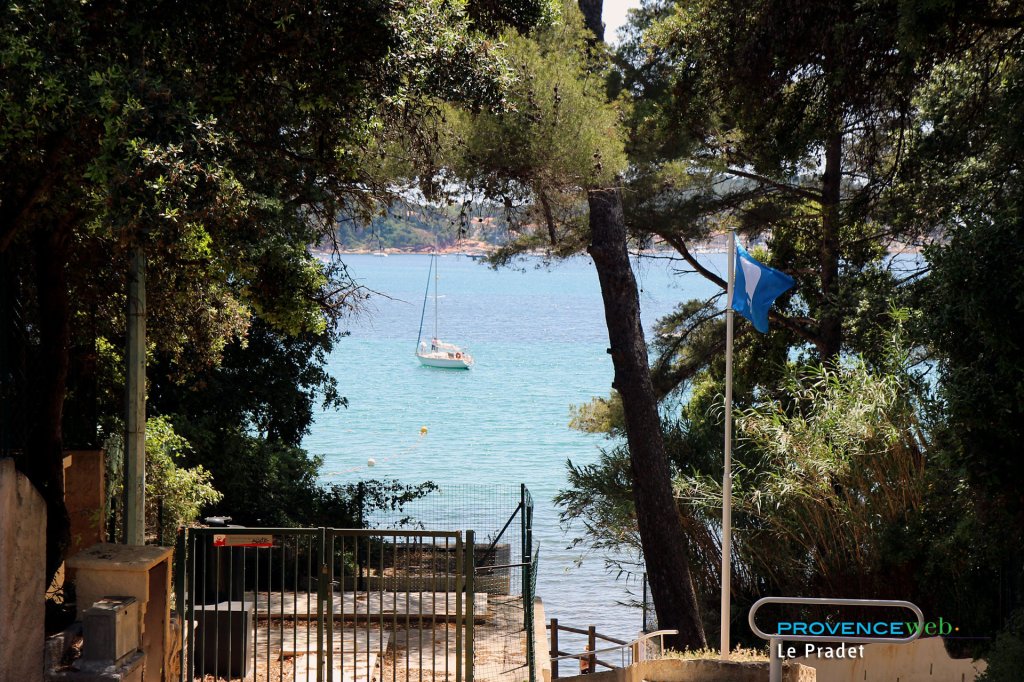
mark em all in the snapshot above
pixel 407 227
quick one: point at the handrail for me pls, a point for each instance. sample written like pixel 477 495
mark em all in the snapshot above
pixel 775 641
pixel 644 638
pixel 487 568
pixel 837 602
pixel 587 632
pixel 590 654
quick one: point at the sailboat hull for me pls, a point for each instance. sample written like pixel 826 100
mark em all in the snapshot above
pixel 438 353
pixel 465 362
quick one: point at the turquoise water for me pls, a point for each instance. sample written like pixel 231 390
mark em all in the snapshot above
pixel 538 336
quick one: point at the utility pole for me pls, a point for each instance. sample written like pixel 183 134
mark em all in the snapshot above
pixel 135 402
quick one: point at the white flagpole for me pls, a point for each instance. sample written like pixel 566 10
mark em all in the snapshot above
pixel 727 475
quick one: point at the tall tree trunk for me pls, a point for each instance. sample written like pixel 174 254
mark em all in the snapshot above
pixel 43 459
pixel 658 520
pixel 830 319
pixel 591 10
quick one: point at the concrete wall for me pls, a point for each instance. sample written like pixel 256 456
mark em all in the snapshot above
pixel 924 660
pixel 703 670
pixel 541 643
pixel 22 570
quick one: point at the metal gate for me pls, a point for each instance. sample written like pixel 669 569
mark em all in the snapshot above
pixel 326 605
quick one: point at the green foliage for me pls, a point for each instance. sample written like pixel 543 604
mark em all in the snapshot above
pixel 1006 658
pixel 392 231
pixel 832 484
pixel 785 123
pixel 270 483
pixel 599 496
pixel 494 16
pixel 268 386
pixel 224 140
pixel 832 133
pixel 842 448
pixel 971 295
pixel 175 495
pixel 556 137
pixel 265 483
pixel 600 415
pixel 972 150
pixel 411 226
pixel 245 420
pixel 967 160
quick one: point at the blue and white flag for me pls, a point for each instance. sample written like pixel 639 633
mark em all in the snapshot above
pixel 755 288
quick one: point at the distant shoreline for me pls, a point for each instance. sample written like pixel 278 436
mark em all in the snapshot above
pixel 479 249
pixel 483 250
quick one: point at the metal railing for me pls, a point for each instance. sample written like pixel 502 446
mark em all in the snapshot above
pixel 775 641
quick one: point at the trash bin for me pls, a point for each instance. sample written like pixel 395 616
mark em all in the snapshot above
pixel 223 640
pixel 220 577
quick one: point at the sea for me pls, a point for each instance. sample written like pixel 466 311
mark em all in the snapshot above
pixel 537 333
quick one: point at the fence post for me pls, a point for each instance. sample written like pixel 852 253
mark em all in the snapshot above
pixel 470 603
pixel 524 556
pixel 324 596
pixel 554 648
pixel 460 581
pixel 531 581
pixel 592 646
pixel 181 588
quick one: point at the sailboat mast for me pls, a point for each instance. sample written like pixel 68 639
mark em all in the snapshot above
pixel 435 294
pixel 423 313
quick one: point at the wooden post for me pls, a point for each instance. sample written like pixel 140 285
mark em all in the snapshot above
pixel 554 648
pixel 470 610
pixel 592 647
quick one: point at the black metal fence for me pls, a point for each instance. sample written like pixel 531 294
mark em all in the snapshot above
pixel 505 561
pixel 650 617
pixel 435 599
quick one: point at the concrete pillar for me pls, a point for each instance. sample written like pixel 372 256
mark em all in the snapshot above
pixel 143 572
pixel 85 497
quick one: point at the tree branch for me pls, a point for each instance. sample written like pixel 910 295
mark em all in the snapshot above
pixel 788 189
pixel 680 246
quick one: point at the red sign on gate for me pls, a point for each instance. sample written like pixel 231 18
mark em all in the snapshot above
pixel 222 540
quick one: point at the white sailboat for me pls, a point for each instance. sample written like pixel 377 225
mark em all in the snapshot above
pixel 437 353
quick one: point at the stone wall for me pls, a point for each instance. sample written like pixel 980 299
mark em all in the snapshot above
pixel 698 670
pixel 22 571
pixel 923 660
